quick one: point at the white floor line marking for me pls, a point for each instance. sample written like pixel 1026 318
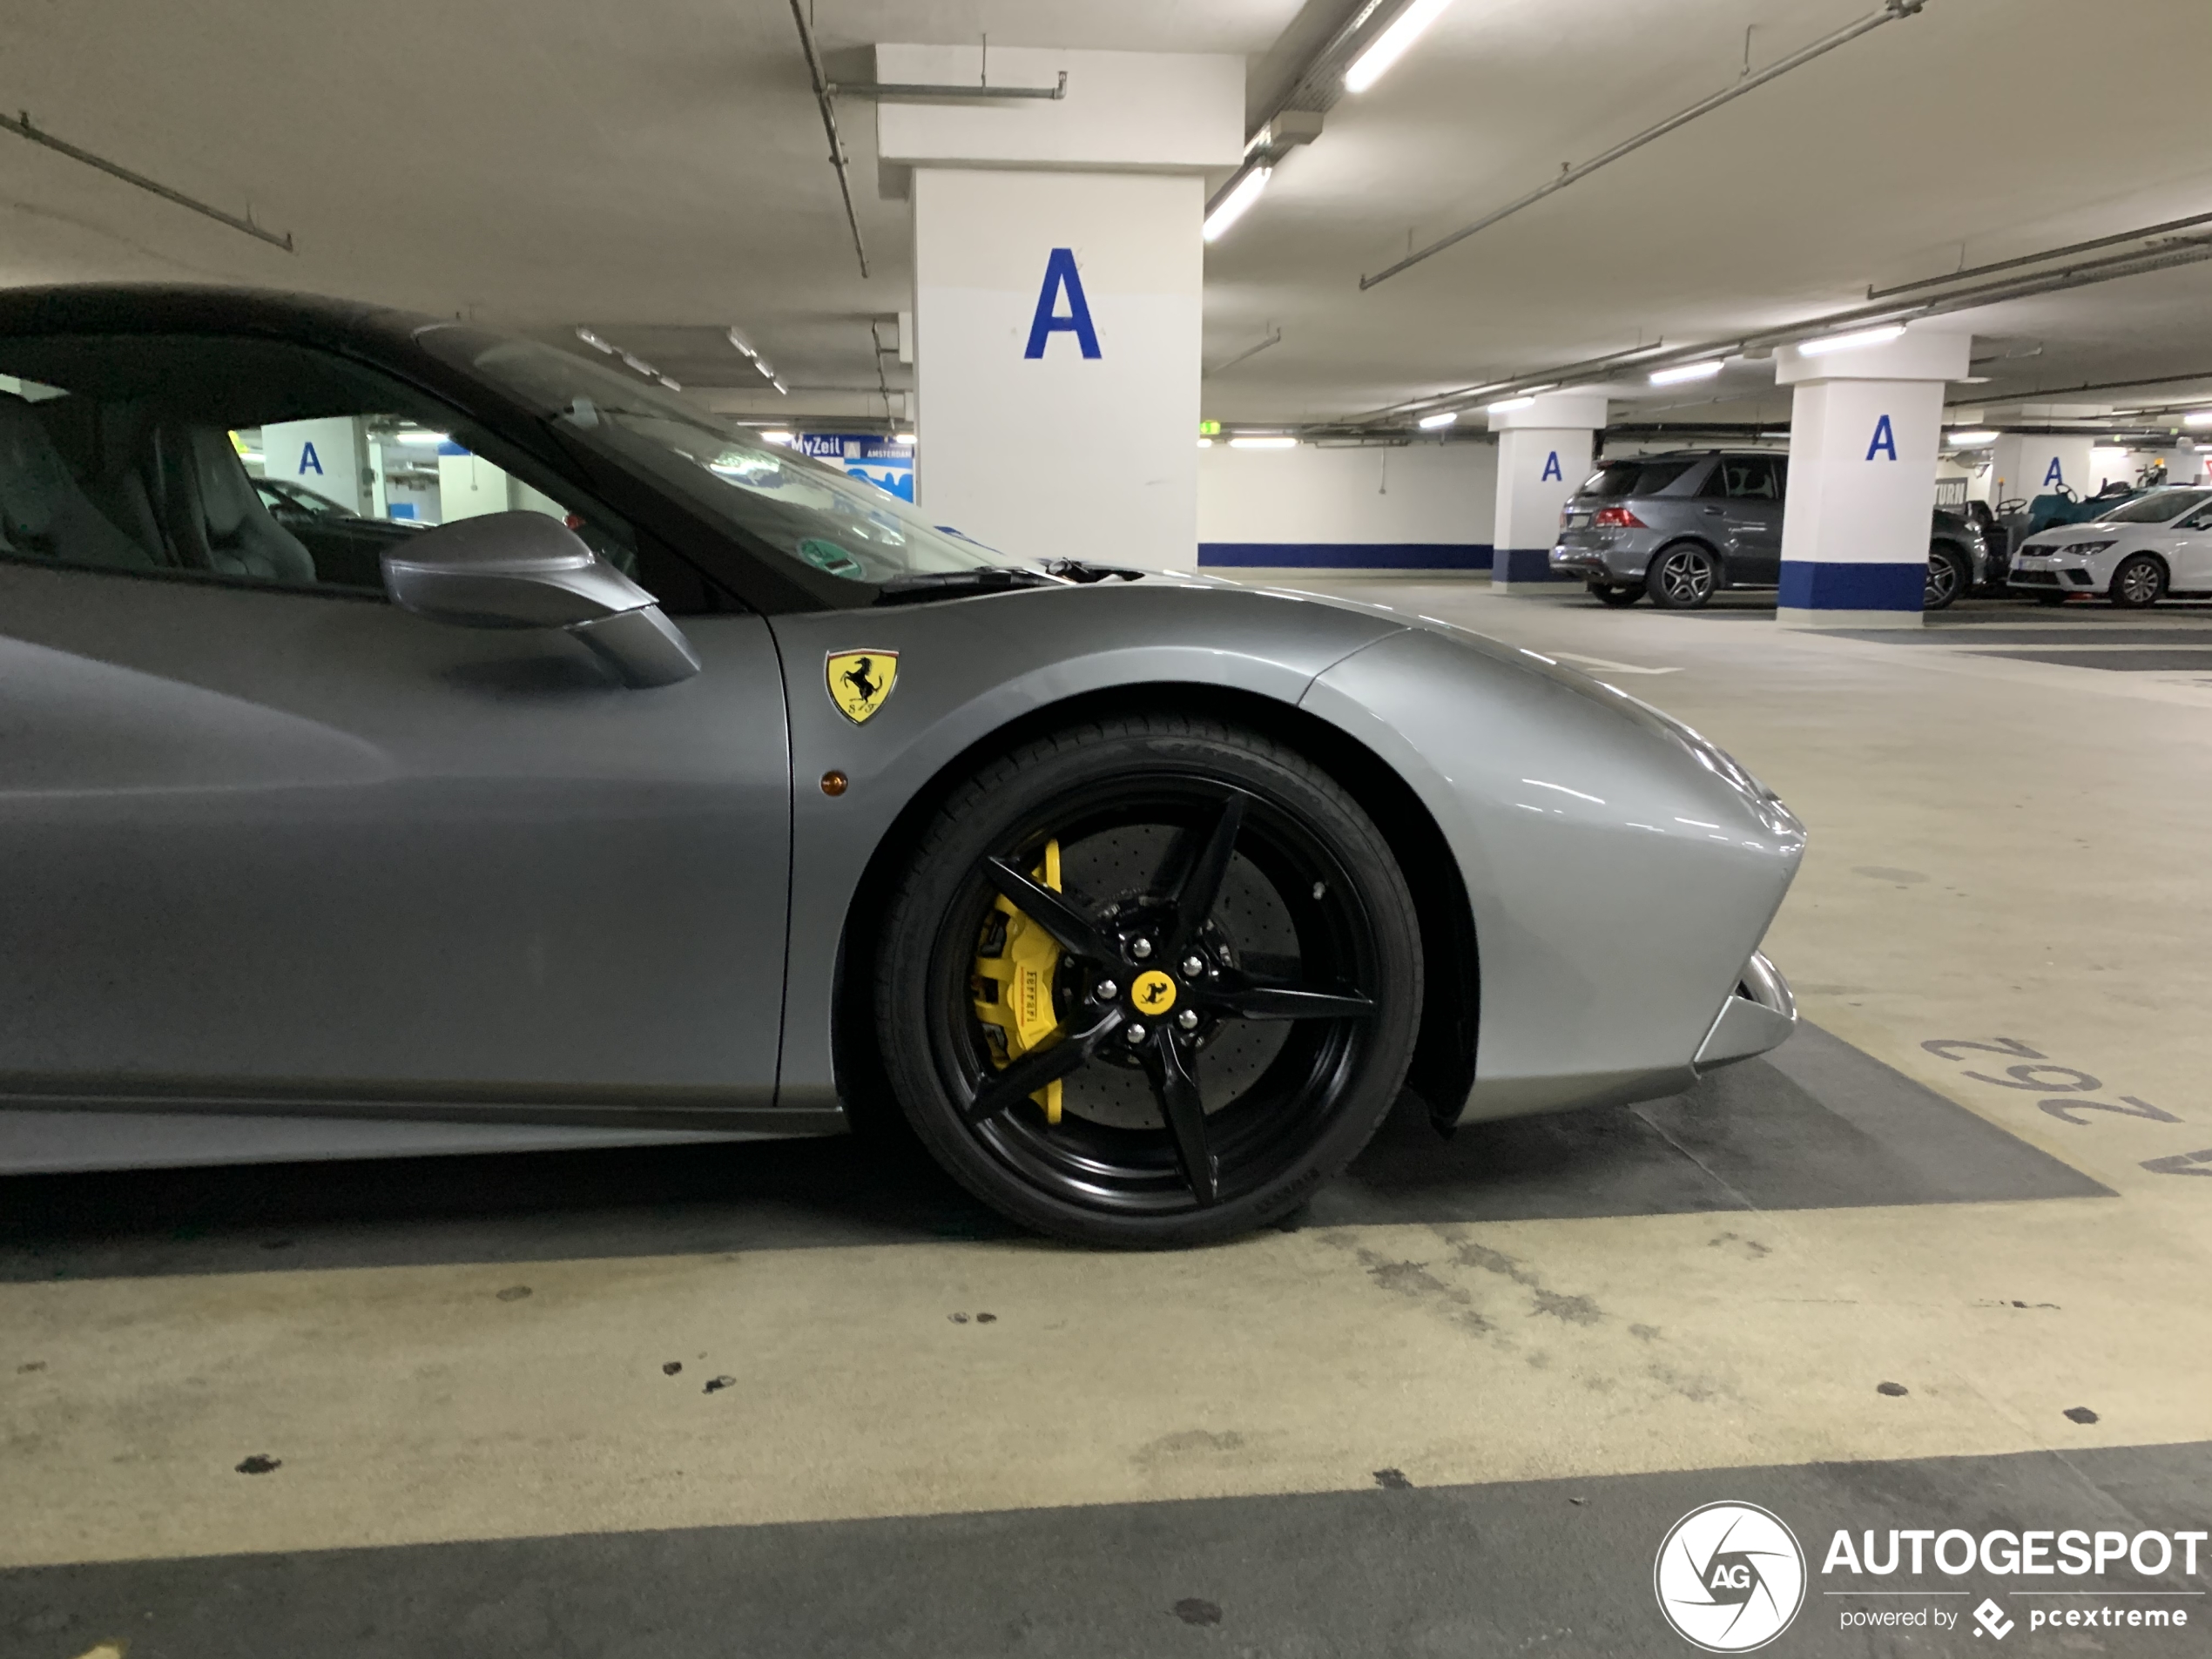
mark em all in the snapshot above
pixel 1617 668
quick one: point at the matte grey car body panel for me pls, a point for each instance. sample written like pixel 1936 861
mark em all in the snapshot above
pixel 1620 884
pixel 967 667
pixel 293 873
pixel 283 845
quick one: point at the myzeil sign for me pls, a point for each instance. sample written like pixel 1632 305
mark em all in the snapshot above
pixel 886 465
pixel 1730 1577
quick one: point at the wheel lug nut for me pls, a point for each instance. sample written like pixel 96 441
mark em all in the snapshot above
pixel 1188 1019
pixel 1107 990
pixel 1136 1034
pixel 1140 949
pixel 1193 965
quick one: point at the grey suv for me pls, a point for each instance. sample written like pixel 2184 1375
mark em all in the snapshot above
pixel 1681 526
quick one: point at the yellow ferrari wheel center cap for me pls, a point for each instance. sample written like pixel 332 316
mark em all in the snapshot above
pixel 1152 992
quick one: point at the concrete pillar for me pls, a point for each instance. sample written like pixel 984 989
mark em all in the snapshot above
pixel 1057 308
pixel 2024 465
pixel 327 456
pixel 1544 450
pixel 468 485
pixel 1865 425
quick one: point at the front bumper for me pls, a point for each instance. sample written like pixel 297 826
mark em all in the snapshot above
pixel 2045 570
pixel 1759 1016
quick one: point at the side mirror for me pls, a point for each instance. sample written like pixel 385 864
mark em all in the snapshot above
pixel 526 571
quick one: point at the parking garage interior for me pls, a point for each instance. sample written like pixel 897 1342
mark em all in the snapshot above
pixel 1832 377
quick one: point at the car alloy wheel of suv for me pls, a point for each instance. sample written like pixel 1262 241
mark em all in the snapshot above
pixel 1682 577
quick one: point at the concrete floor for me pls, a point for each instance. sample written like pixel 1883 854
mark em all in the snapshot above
pixel 790 1399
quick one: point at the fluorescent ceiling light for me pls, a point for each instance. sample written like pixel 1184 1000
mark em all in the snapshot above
pixel 1827 343
pixel 1430 422
pixel 1389 46
pixel 1284 443
pixel 775 437
pixel 1512 403
pixel 1703 371
pixel 743 344
pixel 2201 417
pixel 1205 443
pixel 902 437
pixel 1971 440
pixel 1234 204
pixel 423 437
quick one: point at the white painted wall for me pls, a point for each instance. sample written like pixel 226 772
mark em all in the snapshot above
pixel 1425 492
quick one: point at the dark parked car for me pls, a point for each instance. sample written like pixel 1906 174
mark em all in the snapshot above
pixel 1680 527
pixel 345 546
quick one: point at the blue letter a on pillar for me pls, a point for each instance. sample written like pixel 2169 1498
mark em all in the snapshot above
pixel 1059 274
pixel 309 461
pixel 1551 468
pixel 2053 476
pixel 1885 440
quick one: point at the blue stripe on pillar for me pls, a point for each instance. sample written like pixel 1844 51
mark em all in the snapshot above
pixel 1808 585
pixel 1348 556
pixel 1528 564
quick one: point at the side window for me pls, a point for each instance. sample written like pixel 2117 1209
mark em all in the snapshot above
pixel 254 461
pixel 1749 477
pixel 2199 520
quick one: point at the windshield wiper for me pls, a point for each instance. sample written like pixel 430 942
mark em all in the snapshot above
pixel 1083 570
pixel 945 584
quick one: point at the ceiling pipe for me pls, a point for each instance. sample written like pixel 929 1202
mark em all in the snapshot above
pixel 2147 230
pixel 2191 251
pixel 829 127
pixel 1889 12
pixel 23 129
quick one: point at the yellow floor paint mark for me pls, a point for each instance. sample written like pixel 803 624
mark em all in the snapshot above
pixel 105 1650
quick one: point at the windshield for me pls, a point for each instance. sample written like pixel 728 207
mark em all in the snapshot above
pixel 810 512
pixel 2155 508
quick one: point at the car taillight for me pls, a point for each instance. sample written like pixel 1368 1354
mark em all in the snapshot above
pixel 1617 518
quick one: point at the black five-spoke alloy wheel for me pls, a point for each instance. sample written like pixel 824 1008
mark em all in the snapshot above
pixel 1149 982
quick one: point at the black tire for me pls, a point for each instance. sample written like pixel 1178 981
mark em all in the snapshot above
pixel 1618 595
pixel 1305 902
pixel 2138 583
pixel 1682 577
pixel 1950 574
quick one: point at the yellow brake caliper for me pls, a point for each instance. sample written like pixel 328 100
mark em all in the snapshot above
pixel 1015 960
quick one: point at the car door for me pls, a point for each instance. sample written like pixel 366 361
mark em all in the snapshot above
pixel 1742 500
pixel 268 838
pixel 2188 553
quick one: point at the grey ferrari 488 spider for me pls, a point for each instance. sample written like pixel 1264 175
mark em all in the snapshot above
pixel 679 787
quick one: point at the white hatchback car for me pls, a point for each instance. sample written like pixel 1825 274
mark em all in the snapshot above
pixel 2141 552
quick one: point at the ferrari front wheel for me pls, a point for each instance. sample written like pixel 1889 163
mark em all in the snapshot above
pixel 1149 981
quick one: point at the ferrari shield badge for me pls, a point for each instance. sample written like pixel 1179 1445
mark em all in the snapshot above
pixel 861 681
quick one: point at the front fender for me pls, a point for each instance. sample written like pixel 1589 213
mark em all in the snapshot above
pixel 968 668
pixel 1621 871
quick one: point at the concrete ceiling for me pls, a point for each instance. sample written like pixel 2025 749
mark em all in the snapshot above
pixel 657 171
